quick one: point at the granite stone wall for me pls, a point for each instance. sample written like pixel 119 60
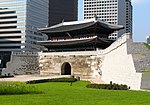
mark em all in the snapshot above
pixel 81 65
pixel 140 54
pixel 22 63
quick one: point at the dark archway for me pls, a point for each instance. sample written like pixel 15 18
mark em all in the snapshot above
pixel 66 69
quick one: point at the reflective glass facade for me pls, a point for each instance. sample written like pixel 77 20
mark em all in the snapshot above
pixel 62 10
pixel 19 20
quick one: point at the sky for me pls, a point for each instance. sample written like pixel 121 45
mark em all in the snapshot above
pixel 141 18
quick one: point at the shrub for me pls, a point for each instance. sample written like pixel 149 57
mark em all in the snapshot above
pixel 108 86
pixel 147 45
pixel 17 88
pixel 52 80
pixel 2 76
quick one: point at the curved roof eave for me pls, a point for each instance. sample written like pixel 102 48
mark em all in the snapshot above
pixel 76 25
pixel 111 26
pixel 65 28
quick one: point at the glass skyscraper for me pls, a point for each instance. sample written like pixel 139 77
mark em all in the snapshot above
pixel 62 10
pixel 19 21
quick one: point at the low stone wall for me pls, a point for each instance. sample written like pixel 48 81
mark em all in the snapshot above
pixel 83 64
pixel 22 63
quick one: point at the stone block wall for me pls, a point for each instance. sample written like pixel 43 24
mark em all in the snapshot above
pixel 81 65
pixel 141 62
pixel 140 54
pixel 136 48
pixel 22 63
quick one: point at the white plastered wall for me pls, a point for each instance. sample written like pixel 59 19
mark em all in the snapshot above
pixel 118 66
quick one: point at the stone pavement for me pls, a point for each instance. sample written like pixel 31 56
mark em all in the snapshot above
pixel 24 78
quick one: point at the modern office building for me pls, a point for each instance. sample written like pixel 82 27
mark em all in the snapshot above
pixel 128 16
pixel 112 11
pixel 62 10
pixel 19 22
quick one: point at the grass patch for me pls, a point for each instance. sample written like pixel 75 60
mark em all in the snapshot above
pixel 147 45
pixel 146 71
pixel 17 88
pixel 61 93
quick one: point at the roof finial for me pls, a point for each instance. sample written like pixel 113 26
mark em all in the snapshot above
pixel 96 17
pixel 62 20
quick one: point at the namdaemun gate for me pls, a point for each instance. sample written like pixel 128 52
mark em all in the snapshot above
pixel 83 49
pixel 79 35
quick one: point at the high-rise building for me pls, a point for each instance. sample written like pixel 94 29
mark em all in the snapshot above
pixel 62 10
pixel 128 16
pixel 112 11
pixel 19 22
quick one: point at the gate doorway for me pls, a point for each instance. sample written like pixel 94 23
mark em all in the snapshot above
pixel 66 69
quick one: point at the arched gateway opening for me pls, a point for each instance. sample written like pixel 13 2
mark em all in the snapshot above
pixel 66 69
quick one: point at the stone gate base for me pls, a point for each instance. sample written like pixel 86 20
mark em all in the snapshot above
pixel 80 64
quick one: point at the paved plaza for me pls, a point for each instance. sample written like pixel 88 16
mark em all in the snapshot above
pixel 24 78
